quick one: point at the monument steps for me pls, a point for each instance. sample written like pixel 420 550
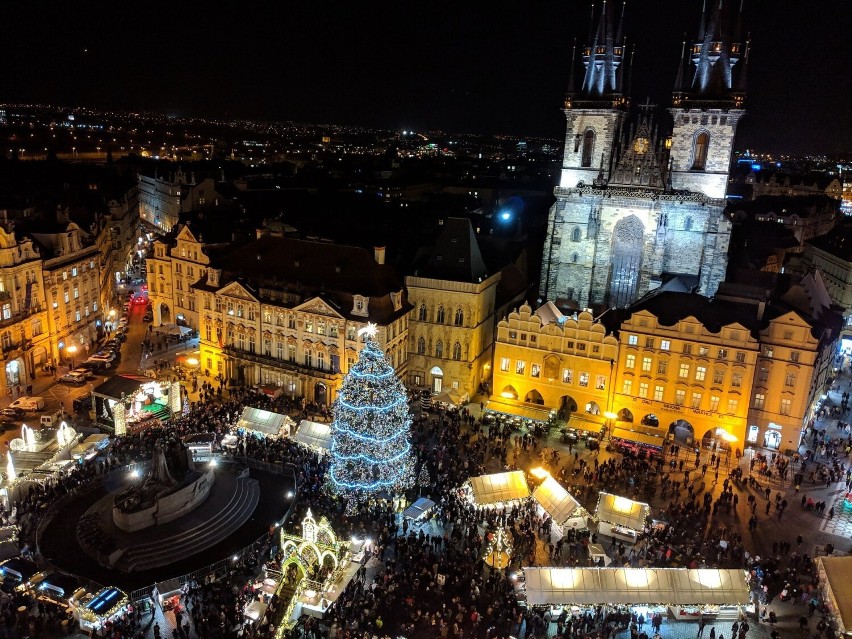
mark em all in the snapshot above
pixel 203 534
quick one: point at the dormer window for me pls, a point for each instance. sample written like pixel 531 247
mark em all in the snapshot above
pixel 359 305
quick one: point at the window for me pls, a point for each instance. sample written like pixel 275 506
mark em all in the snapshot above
pixel 759 400
pixel 683 373
pixel 588 148
pixel 732 406
pixel 633 340
pixel 520 367
pixel 66 297
pixel 646 364
pixel 658 393
pixel 76 293
pixel 790 379
pixel 722 354
pixel 459 317
pixel 291 323
pixel 665 345
pixel 320 327
pixel 439 349
pixel 321 361
pixel 421 348
pixel 719 376
pixel 218 305
pixel 763 375
pixel 309 358
pixel 350 332
pixel 786 406
pixel 504 363
pixel 662 367
pixel 630 361
pixel 649 342
pixel 768 350
pixel 422 314
pixel 703 351
pixel 535 370
pixel 699 151
pixel 687 224
pixel 687 349
pixel 584 379
pixel 332 330
pixel 567 376
pixel 696 400
pixel 251 314
pixel 208 333
pixel 64 275
pixel 440 315
pixel 77 316
pixel 680 397
pixel 627 386
pixel 714 403
pixel 794 356
pixel 700 373
pixel 309 325
pixel 643 389
pixel 736 380
pixel 576 234
pixel 291 352
pixel 740 357
pixel 279 350
pixel 457 355
pixel 600 382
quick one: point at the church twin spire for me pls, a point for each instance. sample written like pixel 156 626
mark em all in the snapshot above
pixel 603 58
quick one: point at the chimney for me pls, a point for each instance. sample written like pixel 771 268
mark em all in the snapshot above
pixel 379 254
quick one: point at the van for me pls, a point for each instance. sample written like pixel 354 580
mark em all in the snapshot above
pixel 29 404
pixel 52 420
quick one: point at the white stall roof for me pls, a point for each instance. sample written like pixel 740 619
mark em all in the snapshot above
pixel 262 421
pixel 623 586
pixel 314 434
pixel 837 571
pixel 557 501
pixel 622 511
pixel 493 489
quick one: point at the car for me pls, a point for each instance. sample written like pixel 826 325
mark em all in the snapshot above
pixel 148 317
pixel 98 363
pixel 13 413
pixel 94 366
pixel 85 372
pixel 29 404
pixel 8 423
pixel 76 379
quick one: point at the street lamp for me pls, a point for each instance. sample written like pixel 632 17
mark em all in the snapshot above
pixel 70 351
pixel 609 417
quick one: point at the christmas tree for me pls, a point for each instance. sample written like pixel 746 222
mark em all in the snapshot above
pixel 370 451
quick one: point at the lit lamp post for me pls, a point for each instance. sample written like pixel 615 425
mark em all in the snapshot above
pixel 70 352
pixel 609 417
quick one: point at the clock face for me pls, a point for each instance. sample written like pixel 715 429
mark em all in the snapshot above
pixel 640 145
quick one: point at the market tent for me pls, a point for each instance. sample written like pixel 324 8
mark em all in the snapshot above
pixel 622 586
pixel 834 574
pixel 449 396
pixel 638 437
pixel 581 423
pixel 264 422
pixel 622 511
pixel 314 434
pixel 557 501
pixel 493 489
pixel 419 508
pixel 527 411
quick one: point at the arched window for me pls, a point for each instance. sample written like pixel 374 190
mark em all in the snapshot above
pixel 439 349
pixel 422 315
pixel 457 351
pixel 687 224
pixel 440 316
pixel 576 234
pixel 702 143
pixel 421 346
pixel 588 147
pixel 459 317
pixel 575 258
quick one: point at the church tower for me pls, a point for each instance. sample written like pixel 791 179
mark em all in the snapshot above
pixel 707 106
pixel 594 115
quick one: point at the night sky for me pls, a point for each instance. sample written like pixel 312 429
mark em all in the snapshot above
pixel 490 67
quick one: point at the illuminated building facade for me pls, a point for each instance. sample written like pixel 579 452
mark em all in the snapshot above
pixel 24 336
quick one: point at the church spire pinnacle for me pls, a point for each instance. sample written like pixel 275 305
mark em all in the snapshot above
pixel 573 67
pixel 603 56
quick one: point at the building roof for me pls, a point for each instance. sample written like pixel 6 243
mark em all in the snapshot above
pixel 837 243
pixel 671 307
pixel 120 386
pixel 784 206
pixel 455 255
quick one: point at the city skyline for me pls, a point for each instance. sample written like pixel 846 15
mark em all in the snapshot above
pixel 498 68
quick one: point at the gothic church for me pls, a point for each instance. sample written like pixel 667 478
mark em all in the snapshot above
pixel 635 207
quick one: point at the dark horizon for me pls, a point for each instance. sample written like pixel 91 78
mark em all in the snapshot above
pixel 491 68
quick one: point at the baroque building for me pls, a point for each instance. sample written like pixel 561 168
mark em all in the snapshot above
pixel 634 206
pixel 287 313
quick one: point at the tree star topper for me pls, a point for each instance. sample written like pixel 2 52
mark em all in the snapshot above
pixel 369 330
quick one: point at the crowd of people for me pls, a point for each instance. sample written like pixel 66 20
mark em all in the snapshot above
pixel 429 580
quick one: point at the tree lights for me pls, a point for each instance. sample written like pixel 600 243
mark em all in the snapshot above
pixel 370 451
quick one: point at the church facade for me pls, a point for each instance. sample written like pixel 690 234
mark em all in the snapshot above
pixel 637 206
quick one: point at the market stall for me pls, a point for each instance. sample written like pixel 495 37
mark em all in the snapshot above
pixel 418 511
pixel 89 447
pixel 621 518
pixel 314 435
pixel 635 442
pixel 710 591
pixel 557 502
pixel 93 611
pixel 499 488
pixel 131 403
pixel 264 423
pixel 836 587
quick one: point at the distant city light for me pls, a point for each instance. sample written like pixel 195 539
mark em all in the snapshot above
pixel 505 216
